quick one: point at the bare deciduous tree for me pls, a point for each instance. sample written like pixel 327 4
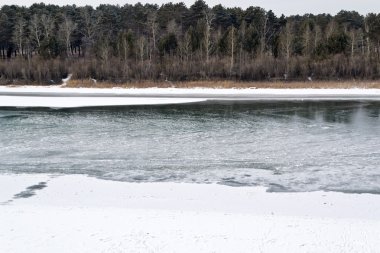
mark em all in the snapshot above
pixel 186 46
pixel 141 45
pixel 153 27
pixel 331 28
pixel 232 41
pixel 209 17
pixel 36 30
pixel 368 43
pixel 47 23
pixel 89 28
pixel 317 36
pixel 286 40
pixel 306 40
pixel 19 34
pixel 67 28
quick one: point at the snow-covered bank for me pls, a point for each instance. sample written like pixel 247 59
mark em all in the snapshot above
pixel 81 97
pixel 47 90
pixel 72 102
pixel 82 214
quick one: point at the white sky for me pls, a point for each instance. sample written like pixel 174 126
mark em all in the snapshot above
pixel 287 7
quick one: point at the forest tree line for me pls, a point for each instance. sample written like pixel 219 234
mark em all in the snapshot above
pixel 43 43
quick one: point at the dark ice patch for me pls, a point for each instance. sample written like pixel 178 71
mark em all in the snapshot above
pixel 231 182
pixel 39 186
pixel 12 116
pixel 277 188
pixel 30 191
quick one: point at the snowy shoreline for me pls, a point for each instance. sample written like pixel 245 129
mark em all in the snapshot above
pixel 84 214
pixel 57 97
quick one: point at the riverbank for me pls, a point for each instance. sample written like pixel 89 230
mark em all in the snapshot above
pixel 227 84
pixel 62 97
pixel 45 213
pixel 90 83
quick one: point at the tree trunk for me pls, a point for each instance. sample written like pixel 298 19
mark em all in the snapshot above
pixel 232 48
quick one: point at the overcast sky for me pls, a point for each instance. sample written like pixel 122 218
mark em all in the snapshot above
pixel 287 7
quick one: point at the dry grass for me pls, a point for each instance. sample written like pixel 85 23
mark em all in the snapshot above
pixel 230 84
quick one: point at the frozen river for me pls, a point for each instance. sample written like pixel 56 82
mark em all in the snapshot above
pixel 285 146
